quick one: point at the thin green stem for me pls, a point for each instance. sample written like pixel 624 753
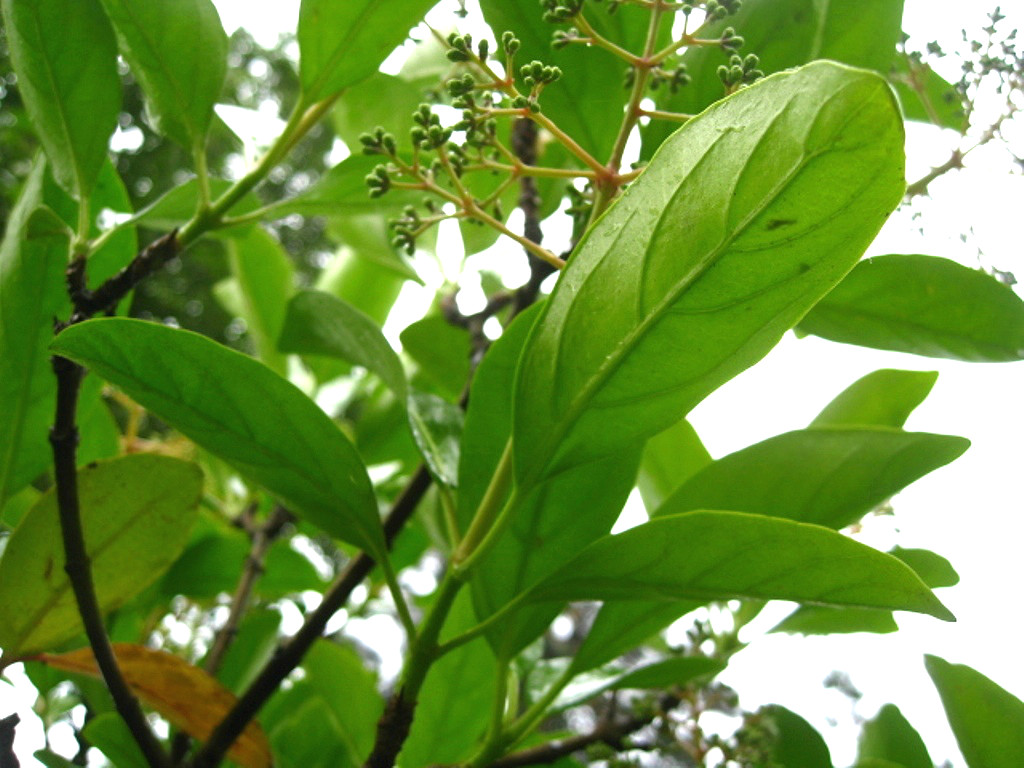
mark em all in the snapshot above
pixel 660 114
pixel 493 620
pixel 533 716
pixel 391 579
pixel 596 38
pixel 490 511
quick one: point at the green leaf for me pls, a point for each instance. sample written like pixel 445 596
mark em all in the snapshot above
pixel 33 257
pixel 441 351
pixel 888 736
pixel 796 744
pixel 934 570
pixel 827 476
pixel 65 57
pixel 710 555
pixel 723 242
pixel 987 720
pixel 587 101
pixel 266 278
pixel 669 458
pixel 136 515
pixel 342 191
pixel 213 561
pixel 437 428
pixel 552 523
pixel 178 51
pixel 456 699
pixel 784 34
pixel 338 674
pixel 253 646
pixel 621 626
pixel 884 398
pixel 343 41
pixel 318 323
pixel 369 284
pixel 240 410
pixel 305 733
pixel 380 100
pixel 176 206
pixel 933 100
pixel 667 673
pixel 923 305
pixel 109 734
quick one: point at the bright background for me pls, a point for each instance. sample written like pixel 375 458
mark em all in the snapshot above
pixel 970 511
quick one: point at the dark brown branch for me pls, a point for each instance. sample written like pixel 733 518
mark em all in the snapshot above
pixel 524 145
pixel 64 441
pixel 7 757
pixel 289 655
pixel 151 258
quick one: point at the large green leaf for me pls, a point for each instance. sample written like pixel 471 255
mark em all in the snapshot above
pixel 553 522
pixel 926 96
pixel 669 459
pixel 65 57
pixel 33 256
pixel 987 720
pixel 318 323
pixel 924 305
pixel 437 429
pixel 178 51
pixel 828 476
pixel 343 41
pixel 888 736
pixel 884 398
pixel 784 34
pixel 587 102
pixel 240 410
pixel 136 514
pixel 711 555
pixel 744 219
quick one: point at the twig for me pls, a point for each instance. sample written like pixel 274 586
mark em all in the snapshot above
pixel 289 655
pixel 7 757
pixel 524 144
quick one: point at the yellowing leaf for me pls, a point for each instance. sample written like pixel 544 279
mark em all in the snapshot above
pixel 185 695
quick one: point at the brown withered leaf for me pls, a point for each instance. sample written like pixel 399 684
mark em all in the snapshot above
pixel 185 695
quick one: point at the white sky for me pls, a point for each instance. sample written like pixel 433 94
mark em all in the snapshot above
pixel 970 511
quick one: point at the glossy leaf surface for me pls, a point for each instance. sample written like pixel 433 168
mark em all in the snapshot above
pixel 136 514
pixel 65 57
pixel 437 428
pixel 178 51
pixel 187 696
pixel 884 398
pixel 923 305
pixel 742 221
pixel 240 410
pixel 709 555
pixel 318 323
pixel 343 41
pixel 888 736
pixel 827 476
pixel 987 720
